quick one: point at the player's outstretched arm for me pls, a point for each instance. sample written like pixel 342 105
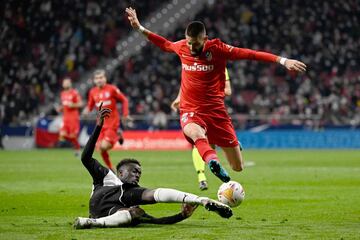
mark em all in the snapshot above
pixel 186 211
pixel 235 53
pixel 159 41
pixel 86 155
pixel 96 170
pixel 134 21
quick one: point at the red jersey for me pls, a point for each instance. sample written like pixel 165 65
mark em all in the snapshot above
pixel 203 76
pixel 108 95
pixel 68 97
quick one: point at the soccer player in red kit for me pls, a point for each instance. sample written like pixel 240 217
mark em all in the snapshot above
pixel 203 116
pixel 70 104
pixel 108 95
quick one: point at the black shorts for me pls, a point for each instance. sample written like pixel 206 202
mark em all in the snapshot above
pixel 107 200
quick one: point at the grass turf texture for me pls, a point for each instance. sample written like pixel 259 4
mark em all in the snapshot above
pixel 291 194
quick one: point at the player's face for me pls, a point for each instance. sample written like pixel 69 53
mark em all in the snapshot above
pixel 100 80
pixel 130 173
pixel 66 84
pixel 196 44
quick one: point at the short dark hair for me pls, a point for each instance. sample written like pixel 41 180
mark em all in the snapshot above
pixel 126 161
pixel 195 28
pixel 99 71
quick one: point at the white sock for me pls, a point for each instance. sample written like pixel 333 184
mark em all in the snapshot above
pixel 117 219
pixel 168 195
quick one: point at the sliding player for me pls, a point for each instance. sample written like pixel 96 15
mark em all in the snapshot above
pixel 115 199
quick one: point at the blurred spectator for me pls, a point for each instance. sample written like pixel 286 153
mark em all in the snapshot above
pixel 44 41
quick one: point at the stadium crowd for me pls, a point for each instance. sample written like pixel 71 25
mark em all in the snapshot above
pixel 44 41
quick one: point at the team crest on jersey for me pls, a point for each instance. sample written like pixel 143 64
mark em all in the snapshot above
pixel 208 56
pixel 184 117
pixel 229 47
pixel 107 94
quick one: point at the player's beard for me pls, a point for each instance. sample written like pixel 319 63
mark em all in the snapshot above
pixel 100 85
pixel 196 52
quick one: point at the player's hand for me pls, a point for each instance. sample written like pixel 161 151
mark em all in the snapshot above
pixel 85 111
pixel 188 209
pixel 58 108
pixel 127 119
pixel 134 21
pixel 102 114
pixel 120 136
pixel 295 65
pixel 175 105
pixel 71 105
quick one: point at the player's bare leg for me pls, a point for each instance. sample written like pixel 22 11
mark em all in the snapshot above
pixel 198 136
pixel 74 141
pixel 62 139
pixel 234 157
pixel 72 138
pixel 105 146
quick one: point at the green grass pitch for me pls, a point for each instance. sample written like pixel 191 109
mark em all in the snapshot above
pixel 290 194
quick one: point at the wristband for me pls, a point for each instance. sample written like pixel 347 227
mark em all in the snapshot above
pixel 141 29
pixel 282 60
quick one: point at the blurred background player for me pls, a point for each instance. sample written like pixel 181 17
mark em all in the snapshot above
pixel 199 164
pixel 71 102
pixel 109 95
pixel 203 116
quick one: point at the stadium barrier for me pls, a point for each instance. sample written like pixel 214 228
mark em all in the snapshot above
pixel 345 138
pixel 47 129
pixel 264 136
pixel 154 140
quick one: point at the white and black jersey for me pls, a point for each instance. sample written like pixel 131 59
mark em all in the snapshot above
pixel 109 193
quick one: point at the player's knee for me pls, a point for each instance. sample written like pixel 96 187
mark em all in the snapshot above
pixel 147 196
pixel 194 132
pixel 136 213
pixel 104 147
pixel 195 135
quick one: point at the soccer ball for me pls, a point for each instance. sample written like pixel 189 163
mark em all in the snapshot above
pixel 231 194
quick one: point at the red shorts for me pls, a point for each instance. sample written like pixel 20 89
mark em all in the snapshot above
pixel 217 124
pixel 109 134
pixel 71 128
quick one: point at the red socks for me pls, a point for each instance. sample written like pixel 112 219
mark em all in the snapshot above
pixel 206 152
pixel 106 158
